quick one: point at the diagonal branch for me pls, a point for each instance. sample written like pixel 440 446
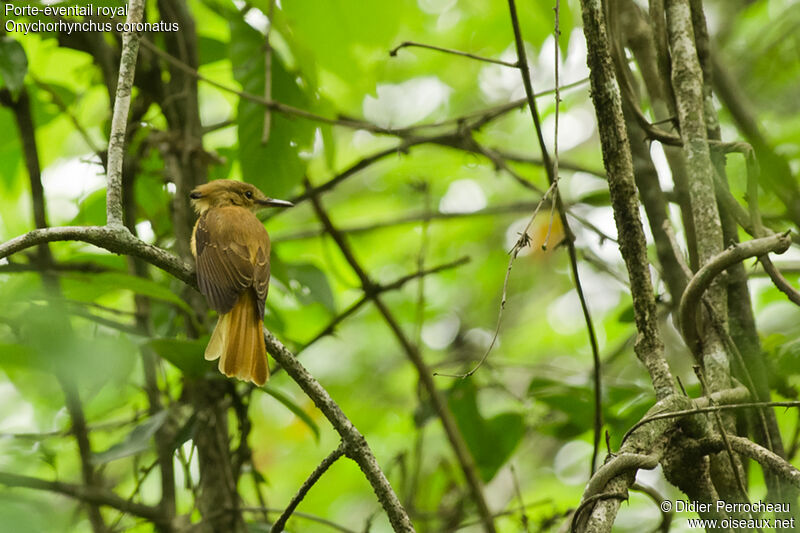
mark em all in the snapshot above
pixel 460 449
pixel 379 289
pixel 649 346
pixel 326 463
pixel 89 494
pixel 621 184
pixel 357 448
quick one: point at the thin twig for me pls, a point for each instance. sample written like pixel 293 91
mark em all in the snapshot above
pixel 408 44
pixel 411 218
pixel 357 447
pixel 326 463
pixel 307 516
pixel 379 289
pixel 271 104
pixel 569 237
pixel 523 242
pixel 710 409
pixel 518 492
pixel 780 282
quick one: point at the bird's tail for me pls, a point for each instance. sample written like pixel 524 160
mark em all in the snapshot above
pixel 238 342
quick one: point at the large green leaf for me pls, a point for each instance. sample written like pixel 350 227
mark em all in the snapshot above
pixel 10 156
pixel 13 65
pixel 342 38
pixel 276 168
pixel 211 50
pixel 88 287
pixel 49 344
pixel 186 355
pixel 491 441
pixel 137 441
pixel 571 407
pixel 92 210
pixel 309 284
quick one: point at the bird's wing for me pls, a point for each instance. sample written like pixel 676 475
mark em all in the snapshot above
pixel 260 257
pixel 232 255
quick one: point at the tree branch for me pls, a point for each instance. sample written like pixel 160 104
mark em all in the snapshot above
pixel 88 494
pixel 704 277
pixel 357 448
pixel 460 449
pixel 379 289
pixel 326 463
pixel 780 282
pixel 408 44
pixel 114 239
pixel 119 119
pixel 750 449
pixel 649 346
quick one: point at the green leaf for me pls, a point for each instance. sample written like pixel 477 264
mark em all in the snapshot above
pixel 89 287
pixel 343 40
pixel 626 316
pixel 293 407
pixel 275 168
pixel 16 355
pixel 596 198
pixel 137 441
pixel 13 65
pixel 310 284
pixel 185 432
pixel 10 158
pixel 186 355
pixel 211 50
pixel 92 210
pixel 572 407
pixel 491 441
pixel 784 357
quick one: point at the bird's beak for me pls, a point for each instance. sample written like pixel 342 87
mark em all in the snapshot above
pixel 272 202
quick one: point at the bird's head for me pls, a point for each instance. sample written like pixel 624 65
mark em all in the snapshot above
pixel 220 193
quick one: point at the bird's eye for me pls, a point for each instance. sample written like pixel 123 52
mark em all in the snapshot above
pixel 248 194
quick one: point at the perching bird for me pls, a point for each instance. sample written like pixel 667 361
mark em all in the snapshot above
pixel 231 248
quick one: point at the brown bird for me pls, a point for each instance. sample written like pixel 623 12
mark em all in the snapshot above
pixel 231 248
